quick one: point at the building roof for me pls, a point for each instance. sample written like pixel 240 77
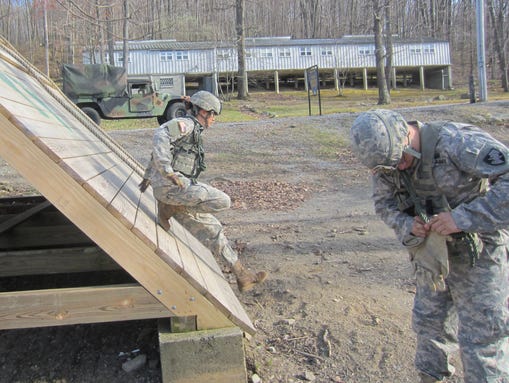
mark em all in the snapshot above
pixel 251 42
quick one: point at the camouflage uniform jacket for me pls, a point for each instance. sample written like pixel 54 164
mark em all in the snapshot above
pixel 463 156
pixel 168 140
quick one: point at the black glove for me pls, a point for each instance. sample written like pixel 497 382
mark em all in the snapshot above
pixel 144 184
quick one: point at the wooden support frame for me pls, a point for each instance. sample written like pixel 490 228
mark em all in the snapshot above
pixel 90 179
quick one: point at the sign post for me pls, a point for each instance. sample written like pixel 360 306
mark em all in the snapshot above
pixel 313 85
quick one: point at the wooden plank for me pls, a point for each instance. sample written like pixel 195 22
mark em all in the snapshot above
pixel 170 254
pixel 6 225
pixel 193 243
pixel 72 148
pixel 55 307
pixel 25 237
pixel 85 168
pixel 33 111
pixel 106 185
pixel 24 97
pixel 145 225
pixel 55 261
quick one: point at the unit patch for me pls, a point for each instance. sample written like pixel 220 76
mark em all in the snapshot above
pixel 494 157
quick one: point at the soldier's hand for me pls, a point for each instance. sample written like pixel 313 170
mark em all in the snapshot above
pixel 443 224
pixel 176 180
pixel 144 184
pixel 418 227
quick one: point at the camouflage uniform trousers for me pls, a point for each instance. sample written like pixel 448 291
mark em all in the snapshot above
pixel 201 200
pixel 471 314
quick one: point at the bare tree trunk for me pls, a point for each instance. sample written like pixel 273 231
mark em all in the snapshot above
pixel 241 49
pixel 391 81
pixel 496 12
pixel 109 34
pixel 46 37
pixel 125 36
pixel 383 93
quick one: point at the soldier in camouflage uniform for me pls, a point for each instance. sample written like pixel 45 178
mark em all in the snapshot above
pixel 450 181
pixel 176 162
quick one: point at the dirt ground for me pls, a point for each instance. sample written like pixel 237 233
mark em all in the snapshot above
pixel 337 304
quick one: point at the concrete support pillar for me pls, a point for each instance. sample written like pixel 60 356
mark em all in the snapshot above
pixel 365 78
pixel 449 77
pixel 336 80
pixel 276 81
pixel 394 84
pixel 212 356
pixel 421 78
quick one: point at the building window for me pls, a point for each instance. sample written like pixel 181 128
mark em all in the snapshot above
pixel 326 51
pixel 305 51
pixel 223 54
pixel 166 56
pixel 182 55
pixel 285 52
pixel 430 49
pixel 248 54
pixel 416 51
pixel 121 59
pixel 266 52
pixel 365 52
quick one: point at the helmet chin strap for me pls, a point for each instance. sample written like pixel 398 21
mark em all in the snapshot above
pixel 414 153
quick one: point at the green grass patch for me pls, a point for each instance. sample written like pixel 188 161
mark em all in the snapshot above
pixel 295 103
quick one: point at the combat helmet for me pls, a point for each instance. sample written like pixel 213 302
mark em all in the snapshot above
pixel 378 138
pixel 206 101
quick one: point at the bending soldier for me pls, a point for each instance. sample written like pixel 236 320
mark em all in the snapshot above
pixel 444 189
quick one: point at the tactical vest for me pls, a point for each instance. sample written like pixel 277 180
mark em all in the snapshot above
pixel 426 200
pixel 431 200
pixel 188 153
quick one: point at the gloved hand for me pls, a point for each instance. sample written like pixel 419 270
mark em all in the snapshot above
pixel 144 184
pixel 431 262
pixel 173 177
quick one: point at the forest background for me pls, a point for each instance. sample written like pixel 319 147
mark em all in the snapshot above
pixel 52 32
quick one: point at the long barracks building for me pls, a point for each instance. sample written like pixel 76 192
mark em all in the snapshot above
pixel 271 61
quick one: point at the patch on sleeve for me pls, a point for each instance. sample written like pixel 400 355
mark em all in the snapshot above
pixel 182 127
pixel 495 157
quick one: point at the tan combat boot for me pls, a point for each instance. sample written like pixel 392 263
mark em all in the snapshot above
pixel 425 378
pixel 165 212
pixel 246 280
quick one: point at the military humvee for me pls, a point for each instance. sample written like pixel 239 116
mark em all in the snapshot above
pixel 105 91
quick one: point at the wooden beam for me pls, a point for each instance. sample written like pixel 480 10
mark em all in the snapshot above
pixel 56 307
pixel 17 219
pixel 55 261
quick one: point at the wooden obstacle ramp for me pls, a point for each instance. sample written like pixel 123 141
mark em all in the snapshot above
pixel 91 180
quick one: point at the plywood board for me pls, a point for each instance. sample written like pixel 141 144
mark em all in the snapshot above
pixel 93 182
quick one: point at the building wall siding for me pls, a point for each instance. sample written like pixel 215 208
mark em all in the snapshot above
pixel 281 55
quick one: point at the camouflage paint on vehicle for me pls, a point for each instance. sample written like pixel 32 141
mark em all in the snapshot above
pixel 107 90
